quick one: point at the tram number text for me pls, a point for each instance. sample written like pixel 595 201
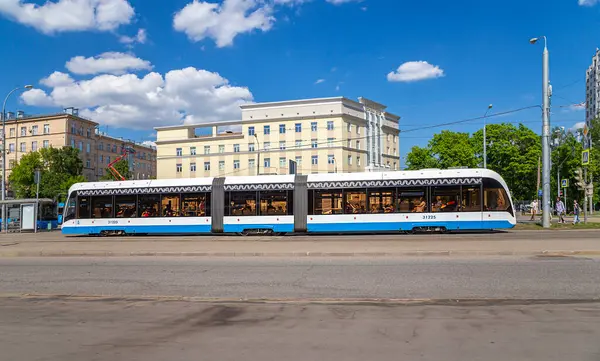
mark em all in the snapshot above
pixel 113 222
pixel 428 217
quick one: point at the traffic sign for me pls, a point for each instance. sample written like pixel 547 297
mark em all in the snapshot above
pixel 564 183
pixel 540 193
pixel 585 157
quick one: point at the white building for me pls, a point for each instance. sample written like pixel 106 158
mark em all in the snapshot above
pixel 592 87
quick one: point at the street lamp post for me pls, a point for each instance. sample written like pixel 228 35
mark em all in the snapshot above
pixel 546 93
pixel 258 154
pixel 484 136
pixel 4 220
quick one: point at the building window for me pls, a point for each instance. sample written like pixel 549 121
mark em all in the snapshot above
pixel 349 143
pixel 11 163
pixel 179 168
pixel 282 145
pixel 11 147
pixel 313 126
pixel 72 143
pixel 89 133
pixel 388 150
pixel 114 148
pixel 282 162
pixel 23 147
pixel 207 149
pixel 267 145
pixel 314 143
pixel 349 127
pixel 108 159
pixel 314 160
pixel 330 125
pixel 88 163
pixel 251 147
pixel 101 158
pixel 23 131
pixel 349 160
pixel 358 144
pixel 221 148
pixel 179 152
pixel 101 146
pixel 389 137
pixel 395 167
pixel 192 167
pixel 34 130
pixel 73 129
pixel 267 163
pixel 298 160
pixel 357 160
pixel 206 165
pixel 251 131
pixel 192 150
pixel 330 142
pixel 298 143
pixel 251 163
pixel 236 164
pixel 357 130
pixel 221 165
pixel 88 148
pixel 33 146
pixel 267 130
pixel 12 132
pixel 46 143
pixel 281 128
pixel 298 127
pixel 395 139
pixel 236 148
pixel 46 128
pixel 330 159
pixel 394 151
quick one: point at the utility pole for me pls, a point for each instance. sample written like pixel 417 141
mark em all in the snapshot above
pixel 546 93
pixel 485 136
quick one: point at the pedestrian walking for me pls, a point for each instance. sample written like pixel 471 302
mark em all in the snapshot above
pixel 534 209
pixel 576 211
pixel 560 210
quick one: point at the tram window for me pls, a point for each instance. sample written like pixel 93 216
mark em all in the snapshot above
pixel 125 206
pixel 170 205
pixel 148 206
pixel 494 196
pixel 242 204
pixel 355 201
pixel 445 199
pixel 71 209
pixel 102 207
pixel 412 200
pixel 273 203
pixel 328 202
pixel 194 205
pixel 471 199
pixel 83 208
pixel 381 200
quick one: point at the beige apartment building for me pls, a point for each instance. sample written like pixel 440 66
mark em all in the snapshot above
pixel 327 135
pixel 26 134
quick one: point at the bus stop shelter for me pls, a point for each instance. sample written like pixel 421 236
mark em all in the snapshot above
pixel 25 214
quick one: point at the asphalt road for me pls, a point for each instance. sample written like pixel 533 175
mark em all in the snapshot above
pixel 158 331
pixel 293 278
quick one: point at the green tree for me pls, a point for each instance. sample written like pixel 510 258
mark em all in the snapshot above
pixel 60 169
pixel 420 158
pixel 122 167
pixel 453 149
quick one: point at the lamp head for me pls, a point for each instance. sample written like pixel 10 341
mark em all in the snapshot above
pixel 533 40
pixel 28 86
pixel 490 106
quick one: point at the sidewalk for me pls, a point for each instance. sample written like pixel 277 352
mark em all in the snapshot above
pixel 523 243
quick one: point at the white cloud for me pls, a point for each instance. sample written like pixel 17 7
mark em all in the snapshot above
pixel 57 79
pixel 576 127
pixel 223 22
pixel 69 15
pixel 319 81
pixel 111 63
pixel 588 2
pixel 415 71
pixel 149 143
pixel 339 2
pixel 140 38
pixel 128 101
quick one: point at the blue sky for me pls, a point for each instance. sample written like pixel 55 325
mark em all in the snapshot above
pixel 135 64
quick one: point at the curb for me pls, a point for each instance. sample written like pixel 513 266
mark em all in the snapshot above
pixel 543 253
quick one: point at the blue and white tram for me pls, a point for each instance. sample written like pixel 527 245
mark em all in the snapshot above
pixel 424 200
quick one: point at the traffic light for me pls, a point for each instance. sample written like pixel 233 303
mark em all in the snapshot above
pixel 579 181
